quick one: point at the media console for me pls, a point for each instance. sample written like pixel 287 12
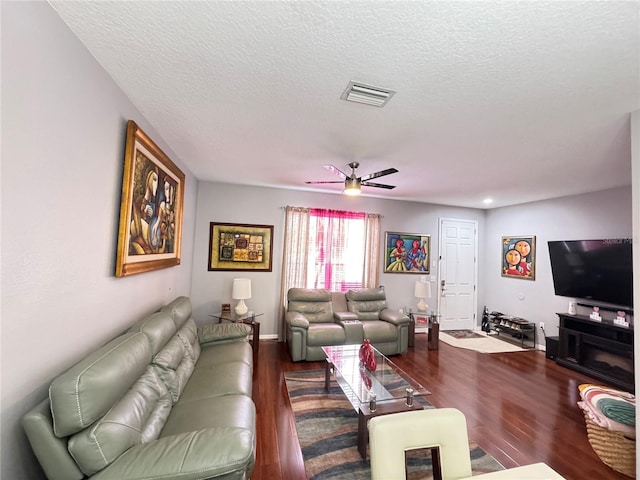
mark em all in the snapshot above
pixel 601 350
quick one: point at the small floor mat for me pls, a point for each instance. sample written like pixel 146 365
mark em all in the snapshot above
pixel 463 334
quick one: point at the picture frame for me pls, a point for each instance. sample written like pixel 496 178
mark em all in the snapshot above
pixel 151 207
pixel 519 257
pixel 407 253
pixel 240 247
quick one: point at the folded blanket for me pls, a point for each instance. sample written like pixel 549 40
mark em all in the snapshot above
pixel 622 412
pixel 619 416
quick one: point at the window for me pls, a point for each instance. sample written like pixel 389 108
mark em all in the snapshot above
pixel 328 249
pixel 336 249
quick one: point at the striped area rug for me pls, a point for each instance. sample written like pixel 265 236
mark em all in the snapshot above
pixel 327 426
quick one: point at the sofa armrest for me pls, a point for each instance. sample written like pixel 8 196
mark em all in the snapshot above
pixel 218 332
pixel 50 450
pixel 344 316
pixel 393 316
pixel 206 453
pixel 296 319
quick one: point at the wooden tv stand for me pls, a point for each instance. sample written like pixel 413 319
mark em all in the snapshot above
pixel 601 350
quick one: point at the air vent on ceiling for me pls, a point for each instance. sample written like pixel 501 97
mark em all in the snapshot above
pixel 367 94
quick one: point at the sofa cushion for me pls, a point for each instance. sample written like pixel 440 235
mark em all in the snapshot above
pixel 136 418
pixel 189 335
pixel 174 366
pixel 366 303
pixel 225 379
pixel 315 304
pixel 227 411
pixel 222 353
pixel 159 329
pixel 380 332
pixel 215 332
pixel 180 310
pixel 91 387
pixel 325 334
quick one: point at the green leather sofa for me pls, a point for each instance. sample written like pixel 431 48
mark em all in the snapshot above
pixel 165 400
pixel 317 318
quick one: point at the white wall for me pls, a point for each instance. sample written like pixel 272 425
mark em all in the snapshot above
pixel 63 136
pixel 264 206
pixel 605 214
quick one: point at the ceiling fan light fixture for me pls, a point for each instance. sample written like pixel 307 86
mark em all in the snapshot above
pixel 351 187
pixel 367 94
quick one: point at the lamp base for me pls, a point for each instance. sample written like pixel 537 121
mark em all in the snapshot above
pixel 422 305
pixel 241 308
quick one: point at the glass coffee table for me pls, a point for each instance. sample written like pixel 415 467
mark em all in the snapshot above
pixel 386 390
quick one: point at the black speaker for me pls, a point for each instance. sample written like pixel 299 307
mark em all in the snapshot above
pixel 552 347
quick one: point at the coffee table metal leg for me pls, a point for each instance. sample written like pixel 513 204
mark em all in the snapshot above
pixel 327 375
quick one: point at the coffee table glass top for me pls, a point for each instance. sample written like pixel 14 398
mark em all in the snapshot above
pixel 387 382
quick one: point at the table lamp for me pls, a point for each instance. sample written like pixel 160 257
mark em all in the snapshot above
pixel 422 291
pixel 241 291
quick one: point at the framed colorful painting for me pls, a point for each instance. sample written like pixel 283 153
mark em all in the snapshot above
pixel 235 246
pixel 150 231
pixel 407 253
pixel 519 257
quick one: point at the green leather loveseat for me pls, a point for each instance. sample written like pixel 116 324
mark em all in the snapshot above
pixel 317 318
pixel 165 400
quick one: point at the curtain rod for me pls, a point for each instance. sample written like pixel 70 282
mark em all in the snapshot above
pixel 319 208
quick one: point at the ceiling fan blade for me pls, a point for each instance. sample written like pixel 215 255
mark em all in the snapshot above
pixel 337 181
pixel 378 185
pixel 335 170
pixel 381 173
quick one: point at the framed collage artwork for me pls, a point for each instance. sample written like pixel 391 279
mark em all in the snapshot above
pixel 240 247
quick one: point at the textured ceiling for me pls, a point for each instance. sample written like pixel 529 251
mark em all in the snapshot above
pixel 518 101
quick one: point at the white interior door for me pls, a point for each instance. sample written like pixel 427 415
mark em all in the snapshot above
pixel 458 274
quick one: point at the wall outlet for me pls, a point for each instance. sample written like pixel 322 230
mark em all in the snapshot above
pixel 541 325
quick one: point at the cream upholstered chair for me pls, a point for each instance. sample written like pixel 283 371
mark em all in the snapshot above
pixel 391 435
pixel 445 428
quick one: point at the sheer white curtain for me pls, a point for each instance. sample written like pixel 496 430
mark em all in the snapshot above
pixel 371 272
pixel 295 258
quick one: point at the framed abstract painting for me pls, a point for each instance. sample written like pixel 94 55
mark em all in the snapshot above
pixel 407 253
pixel 150 230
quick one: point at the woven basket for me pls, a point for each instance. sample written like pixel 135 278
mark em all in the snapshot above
pixel 613 448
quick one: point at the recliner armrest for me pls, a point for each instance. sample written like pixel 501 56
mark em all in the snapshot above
pixel 296 319
pixel 344 316
pixel 393 316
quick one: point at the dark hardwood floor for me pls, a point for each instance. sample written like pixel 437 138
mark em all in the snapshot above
pixel 520 407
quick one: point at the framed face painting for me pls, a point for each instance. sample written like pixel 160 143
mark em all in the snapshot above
pixel 519 257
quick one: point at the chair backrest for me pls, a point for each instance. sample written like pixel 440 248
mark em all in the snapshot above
pixel 367 303
pixel 314 304
pixel 391 435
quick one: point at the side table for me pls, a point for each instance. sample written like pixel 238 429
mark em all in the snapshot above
pixel 248 319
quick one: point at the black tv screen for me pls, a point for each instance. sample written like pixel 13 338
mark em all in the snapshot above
pixel 598 270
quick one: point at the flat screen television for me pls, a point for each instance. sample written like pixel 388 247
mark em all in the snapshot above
pixel 596 270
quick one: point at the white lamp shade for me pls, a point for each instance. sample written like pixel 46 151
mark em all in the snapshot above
pixel 422 290
pixel 241 289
